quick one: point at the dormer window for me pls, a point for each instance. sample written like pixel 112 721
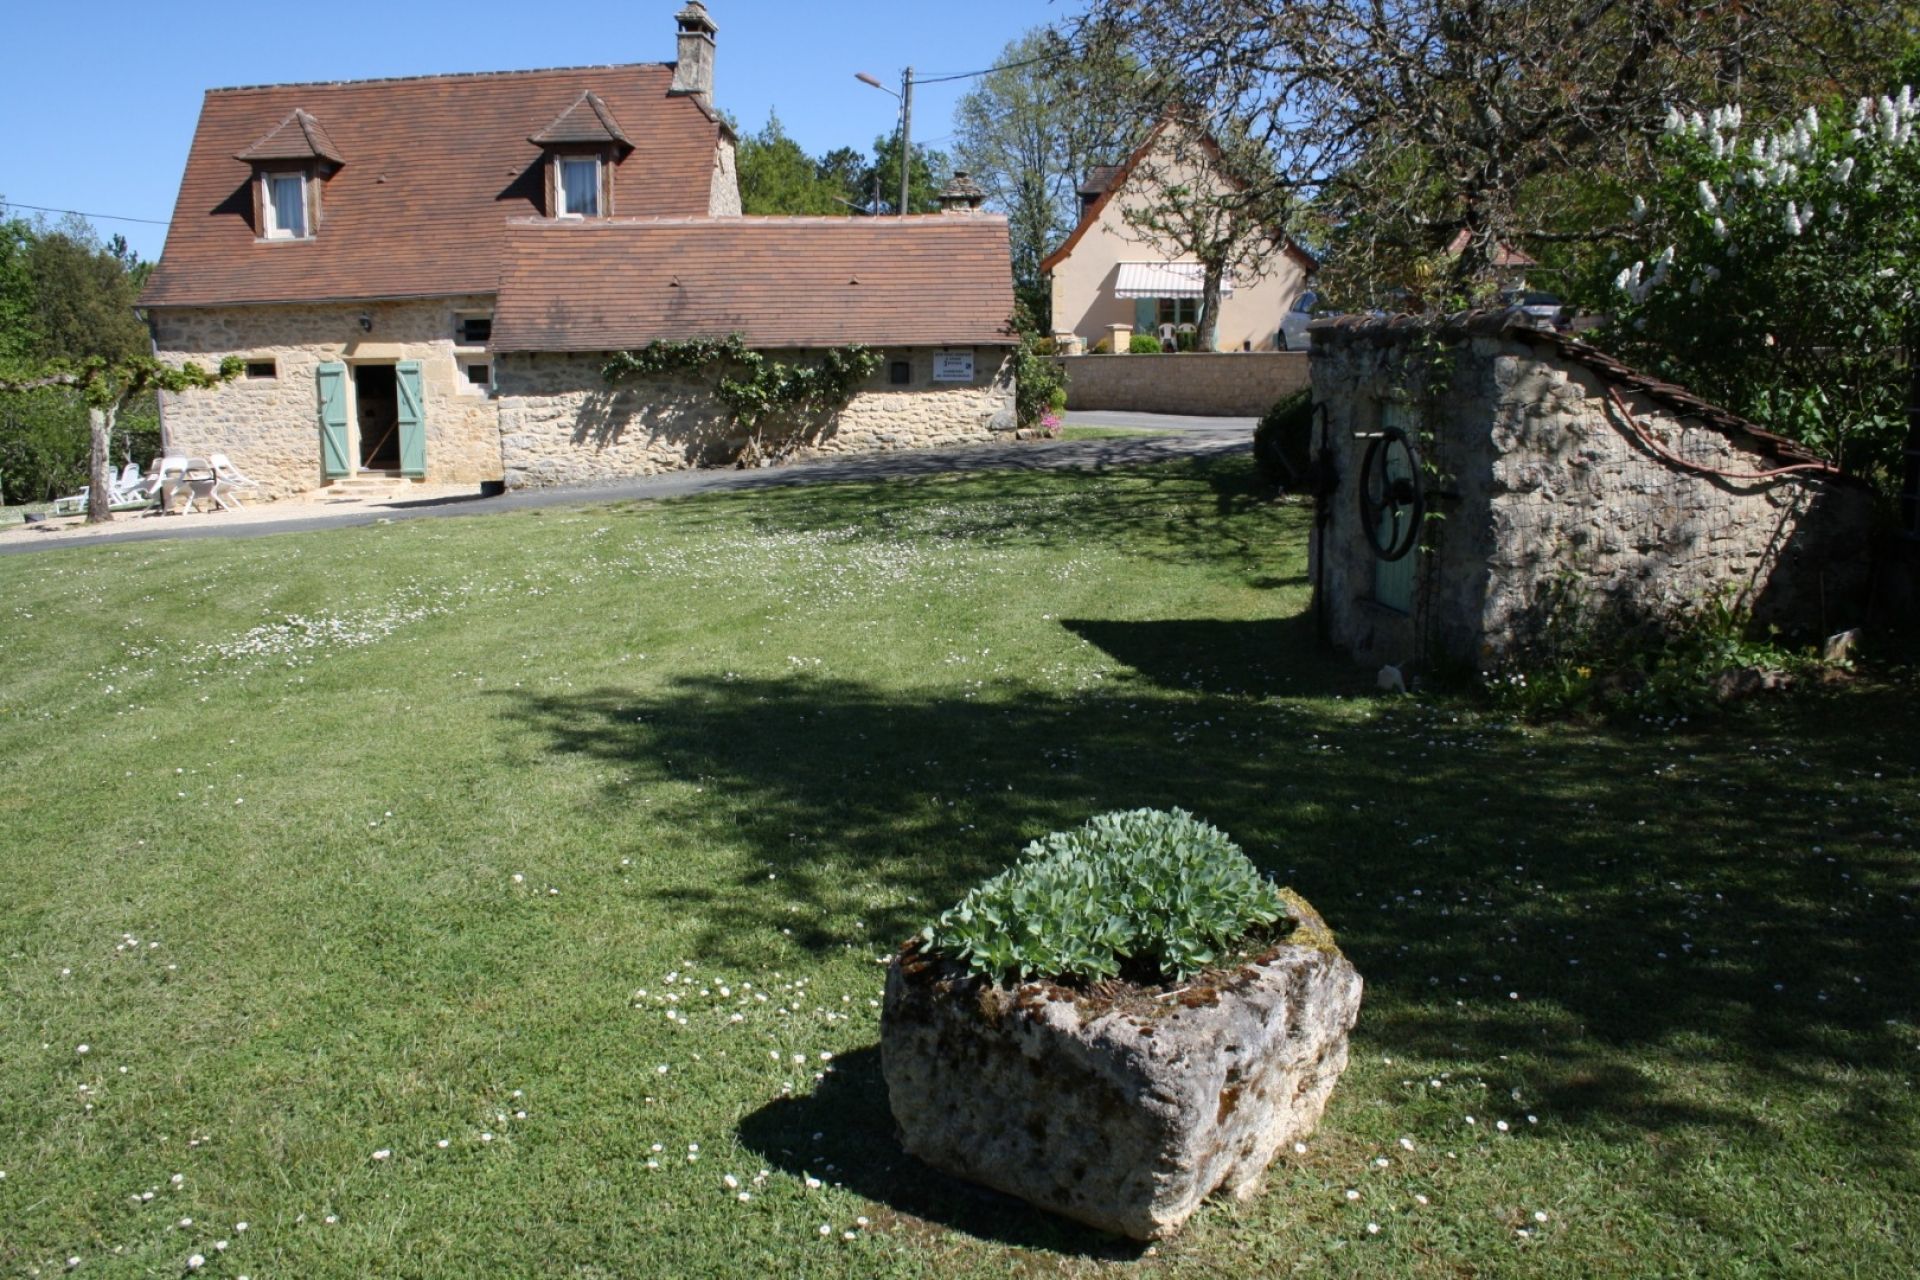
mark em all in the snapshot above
pixel 291 163
pixel 579 186
pixel 582 145
pixel 284 202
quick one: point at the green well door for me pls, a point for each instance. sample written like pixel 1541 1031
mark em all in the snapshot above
pixel 1393 579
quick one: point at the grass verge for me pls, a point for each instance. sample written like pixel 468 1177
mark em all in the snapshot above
pixel 476 896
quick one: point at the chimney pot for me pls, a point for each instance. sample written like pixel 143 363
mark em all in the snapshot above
pixel 962 195
pixel 693 69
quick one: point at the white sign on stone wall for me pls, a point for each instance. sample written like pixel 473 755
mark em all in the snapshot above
pixel 953 366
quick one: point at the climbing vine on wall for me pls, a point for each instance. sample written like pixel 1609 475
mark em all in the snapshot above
pixel 776 402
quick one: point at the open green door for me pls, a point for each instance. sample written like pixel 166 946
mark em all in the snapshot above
pixel 331 380
pixel 413 419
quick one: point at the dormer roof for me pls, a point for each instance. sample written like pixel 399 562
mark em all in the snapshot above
pixel 588 120
pixel 298 137
pixel 438 165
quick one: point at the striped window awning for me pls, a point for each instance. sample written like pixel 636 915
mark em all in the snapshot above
pixel 1165 280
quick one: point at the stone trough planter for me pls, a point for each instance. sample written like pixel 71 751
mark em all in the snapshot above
pixel 1126 1113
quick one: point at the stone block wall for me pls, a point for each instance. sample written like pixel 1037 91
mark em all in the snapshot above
pixel 1546 494
pixel 1234 384
pixel 271 427
pixel 561 424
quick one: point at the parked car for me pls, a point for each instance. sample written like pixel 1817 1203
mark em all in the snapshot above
pixel 1544 308
pixel 1293 325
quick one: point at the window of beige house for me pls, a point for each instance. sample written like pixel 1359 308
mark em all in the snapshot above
pixel 262 370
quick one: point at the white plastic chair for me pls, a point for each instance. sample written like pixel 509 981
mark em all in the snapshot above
pixel 231 478
pixel 199 481
pixel 167 477
pixel 122 489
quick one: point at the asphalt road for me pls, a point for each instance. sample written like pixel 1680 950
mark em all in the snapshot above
pixel 1185 437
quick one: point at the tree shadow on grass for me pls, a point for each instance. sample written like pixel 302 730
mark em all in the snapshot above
pixel 844 1133
pixel 1655 926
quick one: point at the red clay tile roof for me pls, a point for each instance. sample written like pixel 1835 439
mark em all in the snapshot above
pixel 606 285
pixel 298 137
pixel 437 165
pixel 587 120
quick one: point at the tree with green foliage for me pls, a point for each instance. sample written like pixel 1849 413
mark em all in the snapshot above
pixel 1777 271
pixel 66 302
pixel 107 387
pixel 778 176
pixel 1030 132
pixel 1409 122
pixel 927 174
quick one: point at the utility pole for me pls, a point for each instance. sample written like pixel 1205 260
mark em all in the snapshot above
pixel 906 135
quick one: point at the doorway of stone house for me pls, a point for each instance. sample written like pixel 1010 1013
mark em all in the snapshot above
pixel 376 395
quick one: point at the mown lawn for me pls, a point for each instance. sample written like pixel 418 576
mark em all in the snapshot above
pixel 341 851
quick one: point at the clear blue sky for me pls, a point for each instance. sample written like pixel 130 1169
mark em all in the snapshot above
pixel 101 98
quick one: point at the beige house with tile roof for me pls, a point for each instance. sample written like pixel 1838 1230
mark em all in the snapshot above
pixel 1112 273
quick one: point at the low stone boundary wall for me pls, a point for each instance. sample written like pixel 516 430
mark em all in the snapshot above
pixel 1240 384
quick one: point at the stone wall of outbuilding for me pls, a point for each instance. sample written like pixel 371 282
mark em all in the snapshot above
pixel 561 424
pixel 270 427
pixel 1546 499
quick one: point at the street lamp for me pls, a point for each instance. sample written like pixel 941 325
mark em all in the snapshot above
pixel 906 125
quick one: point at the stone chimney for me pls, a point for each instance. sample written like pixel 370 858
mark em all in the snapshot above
pixel 962 195
pixel 693 72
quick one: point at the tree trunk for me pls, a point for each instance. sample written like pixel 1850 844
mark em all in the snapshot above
pixel 1209 336
pixel 99 492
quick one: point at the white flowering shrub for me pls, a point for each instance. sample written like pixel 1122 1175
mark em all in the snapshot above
pixel 1159 894
pixel 1776 271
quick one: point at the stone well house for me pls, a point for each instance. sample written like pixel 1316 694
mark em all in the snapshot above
pixel 424 275
pixel 1109 272
pixel 1565 484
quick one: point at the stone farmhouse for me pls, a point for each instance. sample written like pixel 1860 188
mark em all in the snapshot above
pixel 424 277
pixel 1110 273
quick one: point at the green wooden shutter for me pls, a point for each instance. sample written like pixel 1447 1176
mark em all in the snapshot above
pixel 1146 315
pixel 413 419
pixel 331 379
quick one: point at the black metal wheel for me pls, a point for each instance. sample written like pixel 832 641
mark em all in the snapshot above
pixel 1391 502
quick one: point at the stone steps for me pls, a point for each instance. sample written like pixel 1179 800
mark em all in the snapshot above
pixel 365 487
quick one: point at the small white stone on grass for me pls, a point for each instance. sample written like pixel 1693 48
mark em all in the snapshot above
pixel 382 1154
pixel 83 1048
pixel 195 1262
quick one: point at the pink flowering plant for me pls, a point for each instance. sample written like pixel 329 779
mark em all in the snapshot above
pixel 1776 270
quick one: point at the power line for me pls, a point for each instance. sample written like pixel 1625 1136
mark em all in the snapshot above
pixel 968 75
pixel 110 217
